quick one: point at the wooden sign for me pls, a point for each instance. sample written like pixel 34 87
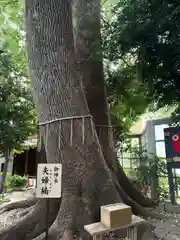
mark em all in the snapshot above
pixel 49 180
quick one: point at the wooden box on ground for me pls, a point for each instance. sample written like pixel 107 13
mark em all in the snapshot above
pixel 116 215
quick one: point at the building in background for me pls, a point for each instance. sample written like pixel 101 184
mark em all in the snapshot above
pixel 23 163
pixel 146 135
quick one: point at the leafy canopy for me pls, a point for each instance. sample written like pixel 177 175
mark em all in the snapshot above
pixel 17 119
pixel 127 99
pixel 148 33
pixel 14 76
pixel 125 95
pixel 12 32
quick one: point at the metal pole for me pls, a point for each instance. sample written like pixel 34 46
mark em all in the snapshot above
pixel 175 182
pixel 47 218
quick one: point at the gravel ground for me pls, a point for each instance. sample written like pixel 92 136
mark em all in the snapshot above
pixel 166 229
pixel 169 227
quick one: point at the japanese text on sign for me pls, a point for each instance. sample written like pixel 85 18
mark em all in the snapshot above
pixel 49 178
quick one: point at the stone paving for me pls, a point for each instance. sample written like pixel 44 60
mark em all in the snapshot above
pixel 169 227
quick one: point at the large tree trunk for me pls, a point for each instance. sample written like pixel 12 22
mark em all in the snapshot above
pixel 58 94
pixel 88 49
pixel 89 54
pixel 66 126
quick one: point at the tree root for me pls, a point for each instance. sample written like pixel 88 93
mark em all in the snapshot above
pixel 20 204
pixel 81 205
pixel 54 208
pixel 78 208
pixel 66 225
pixel 146 231
pixel 33 223
pixel 131 190
pixel 26 211
pixel 105 138
pixel 67 235
pixel 68 220
pixel 136 207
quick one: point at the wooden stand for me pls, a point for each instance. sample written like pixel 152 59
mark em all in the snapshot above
pixel 98 229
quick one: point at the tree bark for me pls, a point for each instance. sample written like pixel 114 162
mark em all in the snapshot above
pixel 66 126
pixel 3 179
pixel 20 204
pixel 32 224
pixel 88 46
pixel 59 94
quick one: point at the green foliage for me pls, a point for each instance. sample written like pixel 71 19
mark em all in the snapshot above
pixel 17 115
pixel 17 118
pixel 127 99
pixel 149 168
pixel 127 96
pixel 4 199
pixel 12 32
pixel 18 181
pixel 23 148
pixel 147 34
pixel 125 106
pixel 13 182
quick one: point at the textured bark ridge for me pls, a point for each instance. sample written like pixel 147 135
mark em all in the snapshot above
pixel 69 99
pixel 21 204
pixel 88 50
pixel 58 94
pixel 32 224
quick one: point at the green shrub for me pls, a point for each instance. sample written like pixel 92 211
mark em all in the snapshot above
pixel 18 181
pixel 154 168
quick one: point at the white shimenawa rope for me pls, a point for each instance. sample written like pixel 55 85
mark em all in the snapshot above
pixel 64 118
pixel 40 142
pixel 59 136
pixel 83 132
pixel 108 126
pixel 92 124
pixel 71 128
pixel 71 133
pixel 46 136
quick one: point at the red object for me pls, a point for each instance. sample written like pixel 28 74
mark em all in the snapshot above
pixel 176 142
pixel 27 181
